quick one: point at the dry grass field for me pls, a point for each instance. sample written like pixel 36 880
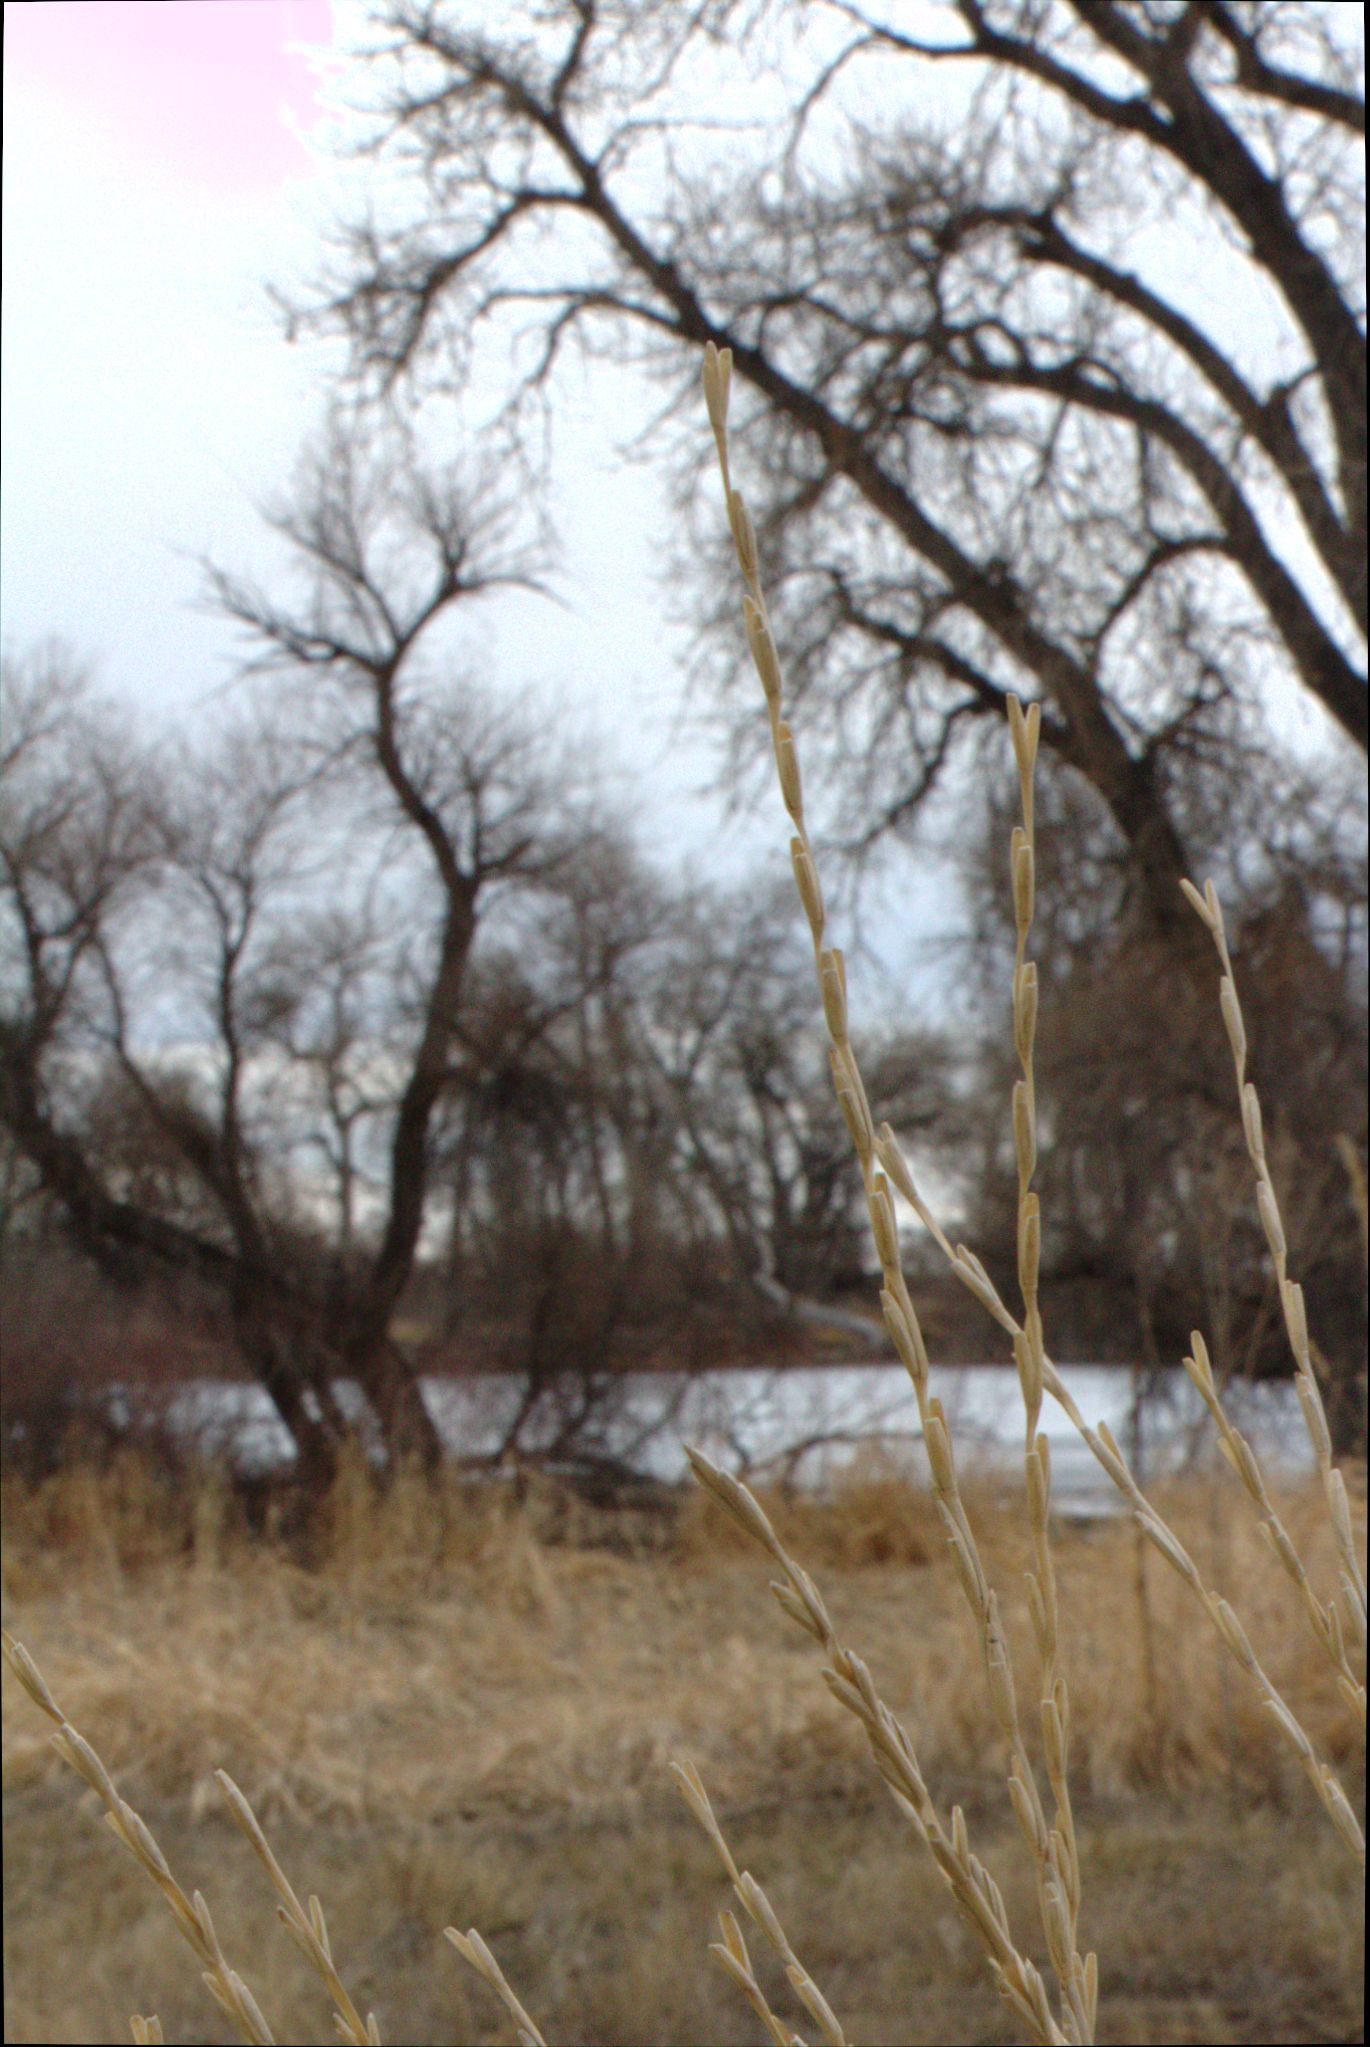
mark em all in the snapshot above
pixel 461 1711
pixel 449 1710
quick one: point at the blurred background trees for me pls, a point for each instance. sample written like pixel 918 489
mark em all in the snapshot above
pixel 1048 330
pixel 359 1042
pixel 238 974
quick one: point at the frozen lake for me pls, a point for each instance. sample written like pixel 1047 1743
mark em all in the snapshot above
pixel 809 1421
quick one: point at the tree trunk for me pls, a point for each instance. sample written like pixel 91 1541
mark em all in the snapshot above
pixel 393 1388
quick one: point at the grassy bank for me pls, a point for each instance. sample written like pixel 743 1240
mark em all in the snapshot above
pixel 453 1709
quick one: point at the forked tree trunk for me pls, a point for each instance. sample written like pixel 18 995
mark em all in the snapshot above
pixel 392 1387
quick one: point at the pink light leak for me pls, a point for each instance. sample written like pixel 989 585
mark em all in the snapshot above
pixel 194 90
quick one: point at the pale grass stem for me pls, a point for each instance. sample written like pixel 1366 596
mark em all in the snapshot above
pixel 1052 1845
pixel 472 1949
pixel 307 1928
pixel 1326 1620
pixel 736 1963
pixel 974 1890
pixel 1054 1849
pixel 306 1925
pixel 1106 1451
pixel 759 1910
pixel 1058 1867
pixel 190 1914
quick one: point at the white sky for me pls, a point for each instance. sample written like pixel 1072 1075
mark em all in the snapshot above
pixel 151 402
pixel 146 396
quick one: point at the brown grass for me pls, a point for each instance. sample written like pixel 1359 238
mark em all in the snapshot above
pixel 444 1662
pixel 451 1717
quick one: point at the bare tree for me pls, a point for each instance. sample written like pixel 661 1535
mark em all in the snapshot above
pixel 577 1254
pixel 388 552
pixel 1004 443
pixel 645 1162
pixel 78 843
pixel 386 783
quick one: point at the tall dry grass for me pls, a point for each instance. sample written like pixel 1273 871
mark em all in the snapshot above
pixel 1048 1977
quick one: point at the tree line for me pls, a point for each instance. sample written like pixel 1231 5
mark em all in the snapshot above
pixel 360 1013
pixel 353 1009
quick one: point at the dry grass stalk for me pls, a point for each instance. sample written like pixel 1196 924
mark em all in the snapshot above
pixel 974 1890
pixel 1057 1862
pixel 191 1914
pixel 1054 1849
pixel 1107 1453
pixel 307 1929
pixel 147 2032
pixel 473 1949
pixel 1052 1845
pixel 1326 1621
pixel 759 1910
pixel 731 1953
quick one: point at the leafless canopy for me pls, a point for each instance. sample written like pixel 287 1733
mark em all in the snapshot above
pixel 1051 313
pixel 233 977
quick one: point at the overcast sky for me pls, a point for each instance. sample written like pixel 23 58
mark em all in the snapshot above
pixel 162 163
pixel 155 173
